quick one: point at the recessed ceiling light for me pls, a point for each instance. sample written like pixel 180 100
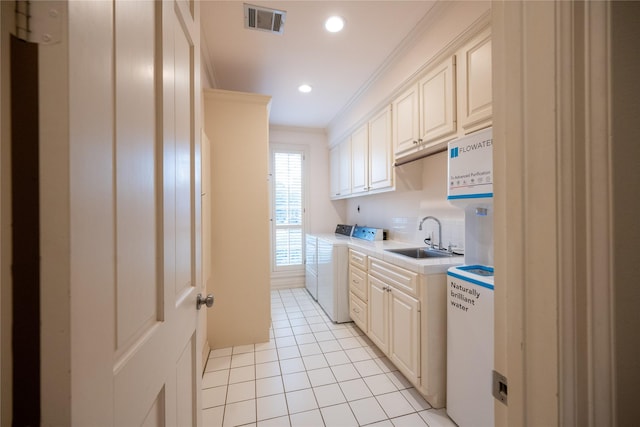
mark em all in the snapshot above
pixel 334 24
pixel 304 88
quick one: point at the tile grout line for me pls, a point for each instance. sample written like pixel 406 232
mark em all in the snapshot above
pixel 307 311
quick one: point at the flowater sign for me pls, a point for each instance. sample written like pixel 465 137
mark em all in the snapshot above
pixel 469 347
pixel 467 292
pixel 471 166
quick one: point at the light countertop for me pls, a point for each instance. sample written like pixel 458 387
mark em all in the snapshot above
pixel 378 250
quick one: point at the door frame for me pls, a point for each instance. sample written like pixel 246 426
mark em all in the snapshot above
pixel 554 286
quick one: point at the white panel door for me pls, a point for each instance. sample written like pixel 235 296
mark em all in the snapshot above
pixel 438 102
pixel 359 160
pixel 334 172
pixel 406 126
pixel 135 214
pixel 474 80
pixel 380 149
pixel 404 336
pixel 378 314
pixel 345 168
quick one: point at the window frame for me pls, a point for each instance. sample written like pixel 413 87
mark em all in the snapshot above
pixel 289 270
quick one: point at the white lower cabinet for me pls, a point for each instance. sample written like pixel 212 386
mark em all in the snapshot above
pixel 358 312
pixel 358 294
pixel 394 318
pixel 378 314
pixel 404 333
pixel 358 282
pixel 406 319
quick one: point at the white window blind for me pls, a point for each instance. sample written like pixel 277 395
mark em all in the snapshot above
pixel 288 209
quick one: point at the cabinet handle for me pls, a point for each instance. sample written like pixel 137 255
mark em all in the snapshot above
pixel 355 281
pixel 355 310
pixel 415 142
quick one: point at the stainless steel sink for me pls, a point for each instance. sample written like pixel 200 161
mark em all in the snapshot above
pixel 424 252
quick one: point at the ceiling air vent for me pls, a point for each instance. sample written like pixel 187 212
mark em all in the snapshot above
pixel 264 19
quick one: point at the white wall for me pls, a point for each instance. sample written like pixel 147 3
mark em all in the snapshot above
pixel 236 124
pixel 400 212
pixel 323 214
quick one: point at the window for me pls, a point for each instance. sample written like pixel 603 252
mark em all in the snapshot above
pixel 287 209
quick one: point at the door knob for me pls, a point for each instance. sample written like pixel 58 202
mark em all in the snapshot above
pixel 208 301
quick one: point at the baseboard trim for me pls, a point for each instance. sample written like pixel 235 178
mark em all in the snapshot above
pixel 287 282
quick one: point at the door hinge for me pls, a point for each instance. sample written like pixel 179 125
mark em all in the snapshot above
pixel 39 21
pixel 499 388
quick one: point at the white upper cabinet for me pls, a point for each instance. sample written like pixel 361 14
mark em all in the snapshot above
pixel 380 153
pixel 451 100
pixel 474 87
pixel 364 162
pixel 406 128
pixel 360 160
pixel 345 168
pixel 334 172
pixel 425 115
pixel 438 102
pixel 340 170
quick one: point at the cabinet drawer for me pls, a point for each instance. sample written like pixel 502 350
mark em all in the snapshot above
pixel 358 312
pixel 358 282
pixel 397 277
pixel 358 259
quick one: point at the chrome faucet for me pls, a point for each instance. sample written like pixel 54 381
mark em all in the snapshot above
pixel 439 230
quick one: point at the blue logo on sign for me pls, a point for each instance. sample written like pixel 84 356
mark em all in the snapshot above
pixel 454 152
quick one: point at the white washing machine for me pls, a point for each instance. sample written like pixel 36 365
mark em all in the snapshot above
pixel 311 266
pixel 333 280
pixel 328 282
pixel 326 261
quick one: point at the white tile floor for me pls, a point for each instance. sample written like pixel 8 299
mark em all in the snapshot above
pixel 311 373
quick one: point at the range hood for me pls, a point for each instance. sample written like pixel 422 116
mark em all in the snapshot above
pixel 421 154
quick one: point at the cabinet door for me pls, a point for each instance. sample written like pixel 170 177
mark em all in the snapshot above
pixel 404 335
pixel 474 83
pixel 378 314
pixel 438 103
pixel 358 312
pixel 358 282
pixel 406 128
pixel 334 172
pixel 359 160
pixel 380 146
pixel 345 168
pixel 358 259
